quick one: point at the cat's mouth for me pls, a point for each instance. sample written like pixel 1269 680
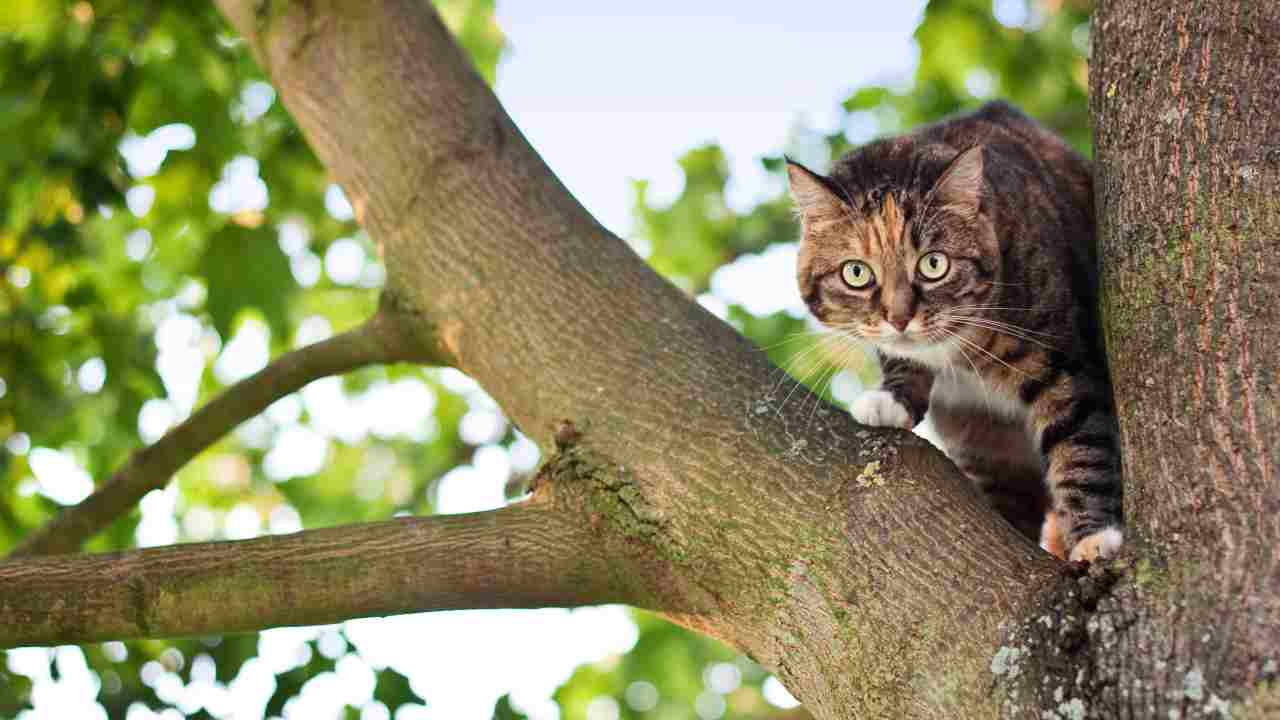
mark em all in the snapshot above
pixel 912 340
pixel 916 337
pixel 900 341
pixel 896 341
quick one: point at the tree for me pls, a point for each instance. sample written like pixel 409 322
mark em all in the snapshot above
pixel 677 480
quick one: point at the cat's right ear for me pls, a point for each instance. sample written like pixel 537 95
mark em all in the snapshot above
pixel 816 199
pixel 960 188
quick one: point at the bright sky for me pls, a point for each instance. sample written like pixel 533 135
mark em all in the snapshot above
pixel 604 97
pixel 607 95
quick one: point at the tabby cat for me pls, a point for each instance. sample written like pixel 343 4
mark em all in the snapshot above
pixel 963 254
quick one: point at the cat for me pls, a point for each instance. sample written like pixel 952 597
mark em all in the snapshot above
pixel 963 253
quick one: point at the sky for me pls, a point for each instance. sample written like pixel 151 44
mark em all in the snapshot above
pixel 605 97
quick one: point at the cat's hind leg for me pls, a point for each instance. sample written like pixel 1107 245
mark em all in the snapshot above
pixel 996 454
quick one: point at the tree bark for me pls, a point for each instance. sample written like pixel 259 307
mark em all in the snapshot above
pixel 855 563
pixel 523 556
pixel 1187 182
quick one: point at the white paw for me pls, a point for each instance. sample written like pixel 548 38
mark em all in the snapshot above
pixel 1103 543
pixel 878 409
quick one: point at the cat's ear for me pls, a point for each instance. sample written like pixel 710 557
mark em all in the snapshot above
pixel 815 197
pixel 960 187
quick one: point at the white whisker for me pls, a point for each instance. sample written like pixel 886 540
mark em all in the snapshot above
pixel 986 392
pixel 988 353
pixel 838 335
pixel 1003 329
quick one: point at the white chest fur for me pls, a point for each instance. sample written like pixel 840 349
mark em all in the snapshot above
pixel 955 384
pixel 963 389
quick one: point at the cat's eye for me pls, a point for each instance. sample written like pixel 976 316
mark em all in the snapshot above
pixel 934 265
pixel 857 274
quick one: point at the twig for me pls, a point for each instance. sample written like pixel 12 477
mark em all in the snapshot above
pixel 376 341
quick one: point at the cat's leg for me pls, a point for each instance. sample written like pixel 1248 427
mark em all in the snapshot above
pixel 994 452
pixel 1076 433
pixel 1053 535
pixel 901 401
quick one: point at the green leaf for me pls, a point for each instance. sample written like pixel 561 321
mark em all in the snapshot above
pixel 243 269
pixel 502 710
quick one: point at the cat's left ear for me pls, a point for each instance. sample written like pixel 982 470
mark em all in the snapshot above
pixel 960 187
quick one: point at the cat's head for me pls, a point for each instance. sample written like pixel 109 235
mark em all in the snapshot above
pixel 897 241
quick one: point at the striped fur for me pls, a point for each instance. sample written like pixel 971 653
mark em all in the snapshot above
pixel 1002 354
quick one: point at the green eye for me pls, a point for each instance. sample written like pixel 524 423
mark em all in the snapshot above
pixel 934 265
pixel 857 274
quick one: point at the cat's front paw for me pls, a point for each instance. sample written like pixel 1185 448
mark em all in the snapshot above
pixel 1102 544
pixel 878 409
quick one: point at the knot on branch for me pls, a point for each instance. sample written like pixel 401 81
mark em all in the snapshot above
pixel 610 493
pixel 267 13
pixel 410 334
pixel 567 435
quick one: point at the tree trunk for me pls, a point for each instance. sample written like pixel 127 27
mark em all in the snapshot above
pixel 1187 139
pixel 855 563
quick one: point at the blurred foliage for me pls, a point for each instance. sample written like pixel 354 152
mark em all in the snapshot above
pixel 158 205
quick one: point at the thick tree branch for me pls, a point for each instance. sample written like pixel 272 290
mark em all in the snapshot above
pixel 381 339
pixel 821 548
pixel 523 556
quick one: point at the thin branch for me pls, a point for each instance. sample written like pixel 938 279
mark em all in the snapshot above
pixel 523 556
pixel 376 341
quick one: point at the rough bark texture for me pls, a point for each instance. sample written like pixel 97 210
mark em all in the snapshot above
pixel 855 563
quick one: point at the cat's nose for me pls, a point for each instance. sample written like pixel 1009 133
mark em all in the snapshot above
pixel 900 323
